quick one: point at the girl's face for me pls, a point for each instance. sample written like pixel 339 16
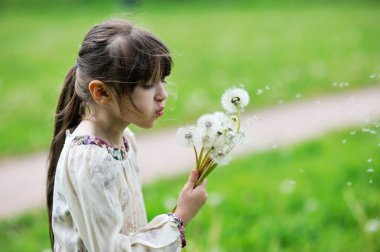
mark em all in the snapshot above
pixel 149 100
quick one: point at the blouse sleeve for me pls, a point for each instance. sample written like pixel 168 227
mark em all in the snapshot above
pixel 93 192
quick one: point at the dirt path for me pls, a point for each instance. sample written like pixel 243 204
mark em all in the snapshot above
pixel 22 179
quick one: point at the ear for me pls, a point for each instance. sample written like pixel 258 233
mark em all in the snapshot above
pixel 99 92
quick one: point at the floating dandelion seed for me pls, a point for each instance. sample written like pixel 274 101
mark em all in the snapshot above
pixel 372 76
pixel 370 181
pixel 298 95
pixel 267 87
pixel 377 124
pixel 370 170
pixel 372 226
pixel 335 84
pixel 352 133
pixel 287 186
pixel 349 183
pixel 259 91
pixel 368 130
pixel 369 160
pixel 344 84
pixel 344 141
pixel 311 205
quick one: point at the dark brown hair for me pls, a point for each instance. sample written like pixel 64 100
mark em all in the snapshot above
pixel 121 56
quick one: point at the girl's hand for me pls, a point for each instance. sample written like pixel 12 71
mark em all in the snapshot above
pixel 191 199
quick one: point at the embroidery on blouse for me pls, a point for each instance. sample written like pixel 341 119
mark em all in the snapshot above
pixel 116 153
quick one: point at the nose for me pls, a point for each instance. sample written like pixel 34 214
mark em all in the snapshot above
pixel 161 94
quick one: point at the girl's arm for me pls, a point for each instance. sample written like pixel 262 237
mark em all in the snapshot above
pixel 92 194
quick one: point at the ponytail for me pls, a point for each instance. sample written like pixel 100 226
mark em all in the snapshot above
pixel 68 115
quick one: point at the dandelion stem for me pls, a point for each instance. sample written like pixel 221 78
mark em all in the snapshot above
pixel 202 163
pixel 196 156
pixel 200 160
pixel 205 174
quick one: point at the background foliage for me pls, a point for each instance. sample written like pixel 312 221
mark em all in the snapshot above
pixel 279 51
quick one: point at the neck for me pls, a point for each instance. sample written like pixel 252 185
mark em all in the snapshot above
pixel 105 127
pixel 112 132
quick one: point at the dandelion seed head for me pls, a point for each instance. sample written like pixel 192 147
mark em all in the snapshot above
pixel 209 123
pixel 221 117
pixel 220 157
pixel 188 136
pixel 372 226
pixel 240 138
pixel 235 99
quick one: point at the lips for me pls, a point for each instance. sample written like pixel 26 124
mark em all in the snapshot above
pixel 160 112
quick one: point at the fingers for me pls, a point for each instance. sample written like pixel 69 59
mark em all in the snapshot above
pixel 192 179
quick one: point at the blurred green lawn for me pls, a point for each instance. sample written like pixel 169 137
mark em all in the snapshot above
pixel 307 197
pixel 287 51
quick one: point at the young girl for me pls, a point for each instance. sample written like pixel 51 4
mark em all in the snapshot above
pixel 94 196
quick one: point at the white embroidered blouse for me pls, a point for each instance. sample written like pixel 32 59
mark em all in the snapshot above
pixel 98 203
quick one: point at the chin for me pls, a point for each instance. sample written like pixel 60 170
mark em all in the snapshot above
pixel 148 125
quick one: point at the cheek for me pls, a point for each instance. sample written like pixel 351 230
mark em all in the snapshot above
pixel 142 101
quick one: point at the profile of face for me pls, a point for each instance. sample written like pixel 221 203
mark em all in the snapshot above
pixel 147 106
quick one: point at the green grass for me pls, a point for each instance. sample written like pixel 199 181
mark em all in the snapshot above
pixel 295 50
pixel 252 205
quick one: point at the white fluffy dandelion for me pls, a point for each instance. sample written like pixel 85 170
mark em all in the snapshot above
pixel 235 99
pixel 209 123
pixel 188 136
pixel 222 117
pixel 220 157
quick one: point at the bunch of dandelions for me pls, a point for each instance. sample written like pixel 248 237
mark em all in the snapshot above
pixel 216 134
